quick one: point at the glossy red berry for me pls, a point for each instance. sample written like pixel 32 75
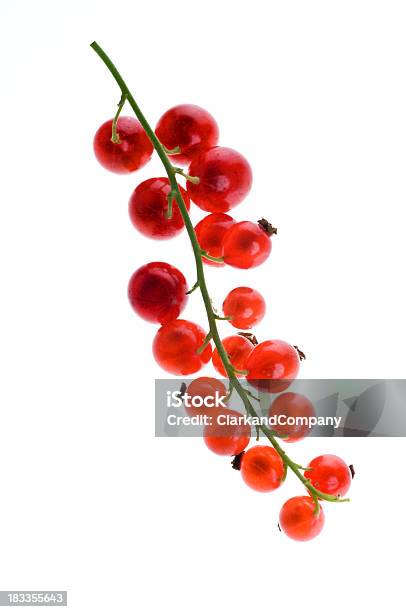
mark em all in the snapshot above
pixel 329 474
pixel 238 349
pixel 226 434
pixel 133 151
pixel 272 365
pixel 210 232
pixel 176 345
pixel 206 388
pixel 289 406
pixel 245 307
pixel 246 245
pixel 262 468
pixel 189 127
pixel 157 292
pixel 225 179
pixel 148 206
pixel 299 520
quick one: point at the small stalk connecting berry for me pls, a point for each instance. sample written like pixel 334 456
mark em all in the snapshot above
pixel 175 195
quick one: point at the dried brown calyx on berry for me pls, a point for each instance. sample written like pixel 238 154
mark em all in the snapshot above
pixel 236 462
pixel 249 336
pixel 267 227
pixel 301 354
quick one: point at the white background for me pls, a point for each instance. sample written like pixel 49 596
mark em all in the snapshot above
pixel 313 94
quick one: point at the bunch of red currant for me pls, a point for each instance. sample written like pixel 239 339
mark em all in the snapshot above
pixel 217 179
pixel 158 291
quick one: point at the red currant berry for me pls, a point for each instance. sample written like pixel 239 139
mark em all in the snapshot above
pixel 176 345
pixel 205 388
pixel 225 179
pixel 245 307
pixel 272 365
pixel 246 245
pixel 148 207
pixel 210 233
pixel 132 152
pixel 188 127
pixel 329 474
pixel 226 434
pixel 262 468
pixel 238 349
pixel 299 520
pixel 290 406
pixel 157 292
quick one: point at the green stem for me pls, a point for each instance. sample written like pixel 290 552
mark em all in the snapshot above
pixel 195 286
pixel 191 179
pixel 241 372
pixel 115 137
pixel 206 342
pixel 173 151
pixel 211 258
pixel 169 211
pixel 252 395
pixel 211 316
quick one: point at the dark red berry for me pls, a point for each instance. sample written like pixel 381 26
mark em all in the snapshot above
pixel 189 127
pixel 246 245
pixel 148 208
pixel 157 292
pixel 132 152
pixel 210 233
pixel 225 179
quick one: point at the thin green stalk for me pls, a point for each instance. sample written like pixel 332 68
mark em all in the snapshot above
pixel 206 342
pixel 211 315
pixel 211 258
pixel 191 179
pixel 115 137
